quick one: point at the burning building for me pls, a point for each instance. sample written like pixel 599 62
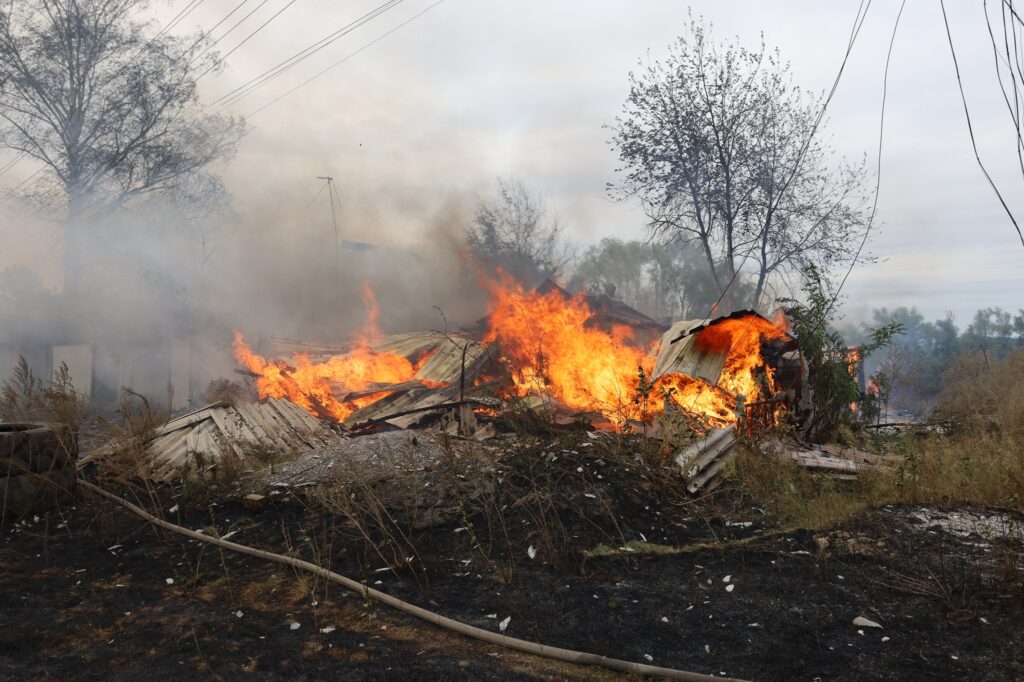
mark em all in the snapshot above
pixel 572 354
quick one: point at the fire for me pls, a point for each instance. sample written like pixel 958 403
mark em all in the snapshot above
pixel 550 348
pixel 322 388
pixel 551 351
pixel 745 371
pixel 694 396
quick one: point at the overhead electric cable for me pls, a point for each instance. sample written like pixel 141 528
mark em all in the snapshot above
pixel 970 126
pixel 246 39
pixel 347 57
pixel 228 32
pixel 252 85
pixel 878 167
pixel 17 157
pixel 179 18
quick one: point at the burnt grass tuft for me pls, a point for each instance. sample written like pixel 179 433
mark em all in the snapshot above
pixel 585 543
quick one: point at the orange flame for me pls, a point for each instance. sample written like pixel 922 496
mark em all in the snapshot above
pixel 550 350
pixel 322 388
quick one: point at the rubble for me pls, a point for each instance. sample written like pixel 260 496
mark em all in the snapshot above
pixel 203 436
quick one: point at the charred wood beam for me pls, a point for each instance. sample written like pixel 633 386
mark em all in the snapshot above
pixel 389 388
pixel 426 408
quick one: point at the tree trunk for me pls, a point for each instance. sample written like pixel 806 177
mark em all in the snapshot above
pixel 76 245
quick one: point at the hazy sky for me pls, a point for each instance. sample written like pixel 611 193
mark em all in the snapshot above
pixel 416 127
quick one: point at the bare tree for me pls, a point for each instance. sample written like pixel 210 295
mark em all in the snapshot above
pixel 515 232
pixel 719 147
pixel 108 105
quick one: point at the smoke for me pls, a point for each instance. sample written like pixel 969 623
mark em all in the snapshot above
pixel 170 274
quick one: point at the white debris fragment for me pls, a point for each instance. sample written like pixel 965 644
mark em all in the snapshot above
pixel 239 614
pixel 861 621
pixel 730 588
pixel 531 552
pixel 860 632
pixel 170 581
pixel 664 619
pixel 707 648
pixel 726 578
pixel 294 625
pixel 492 615
pixel 504 624
pixel 648 657
pixel 885 639
pixel 328 630
pixel 172 509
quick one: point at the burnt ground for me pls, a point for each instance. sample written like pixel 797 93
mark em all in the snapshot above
pixel 623 565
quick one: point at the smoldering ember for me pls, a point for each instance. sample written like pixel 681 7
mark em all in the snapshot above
pixel 446 340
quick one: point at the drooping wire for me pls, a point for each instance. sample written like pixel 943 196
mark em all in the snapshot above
pixel 228 32
pixel 254 84
pixel 347 57
pixel 181 16
pixel 970 126
pixel 246 39
pixel 17 157
pixel 878 167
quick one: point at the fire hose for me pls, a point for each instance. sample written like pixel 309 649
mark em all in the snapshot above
pixel 558 654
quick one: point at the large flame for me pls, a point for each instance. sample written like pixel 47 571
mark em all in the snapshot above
pixel 551 349
pixel 322 387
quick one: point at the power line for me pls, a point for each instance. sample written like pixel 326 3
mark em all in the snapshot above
pixel 213 28
pixel 27 180
pixel 246 39
pixel 347 57
pixel 252 85
pixel 228 32
pixel 189 8
pixel 878 168
pixel 17 157
pixel 970 126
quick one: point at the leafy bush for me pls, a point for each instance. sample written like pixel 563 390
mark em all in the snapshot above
pixel 831 370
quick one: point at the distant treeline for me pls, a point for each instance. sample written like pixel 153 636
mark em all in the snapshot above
pixel 914 367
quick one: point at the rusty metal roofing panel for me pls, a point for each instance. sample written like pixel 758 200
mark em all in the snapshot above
pixel 284 349
pixel 682 356
pixel 207 432
pixel 402 401
pixel 408 345
pixel 445 365
pixel 681 353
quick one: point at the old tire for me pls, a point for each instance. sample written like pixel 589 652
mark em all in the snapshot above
pixel 36 448
pixel 37 467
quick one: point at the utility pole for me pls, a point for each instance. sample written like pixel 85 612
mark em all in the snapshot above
pixel 334 221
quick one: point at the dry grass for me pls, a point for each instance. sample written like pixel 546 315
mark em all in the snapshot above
pixel 979 462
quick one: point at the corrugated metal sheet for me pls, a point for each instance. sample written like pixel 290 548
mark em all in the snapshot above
pixel 209 432
pixel 445 365
pixel 681 353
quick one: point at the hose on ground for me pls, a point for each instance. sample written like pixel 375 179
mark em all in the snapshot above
pixel 558 654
